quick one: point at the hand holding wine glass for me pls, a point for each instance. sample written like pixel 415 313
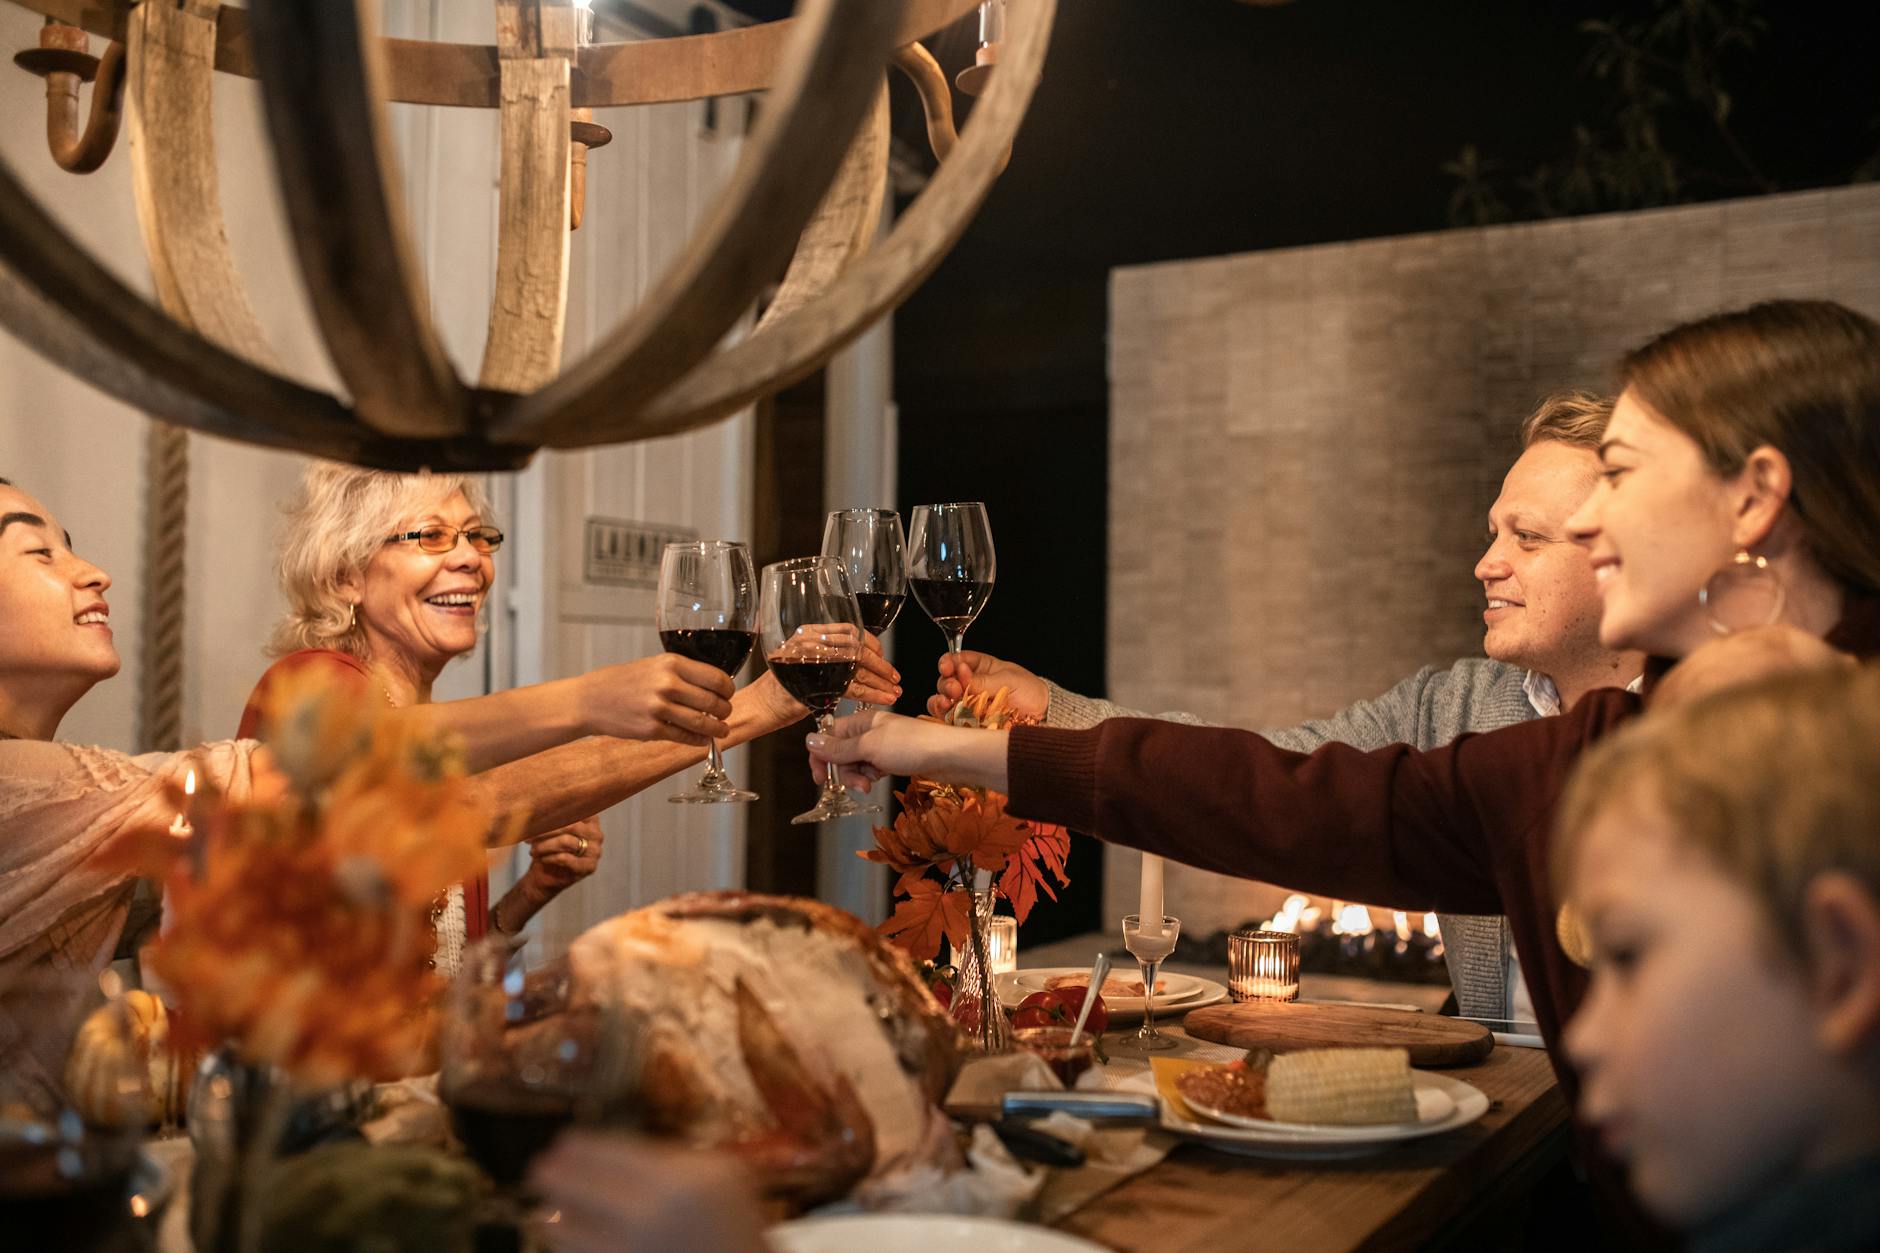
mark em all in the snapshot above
pixel 813 641
pixel 707 611
pixel 951 565
pixel 965 673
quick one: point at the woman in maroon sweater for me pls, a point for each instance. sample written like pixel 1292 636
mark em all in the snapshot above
pixel 1741 486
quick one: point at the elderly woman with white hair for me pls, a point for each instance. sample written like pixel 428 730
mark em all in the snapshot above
pixel 551 754
pixel 385 577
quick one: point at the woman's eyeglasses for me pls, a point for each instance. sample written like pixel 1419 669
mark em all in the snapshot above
pixel 441 539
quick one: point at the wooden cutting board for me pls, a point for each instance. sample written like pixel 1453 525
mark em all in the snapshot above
pixel 1432 1039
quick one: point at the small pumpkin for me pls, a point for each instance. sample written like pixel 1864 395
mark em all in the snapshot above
pixel 117 1044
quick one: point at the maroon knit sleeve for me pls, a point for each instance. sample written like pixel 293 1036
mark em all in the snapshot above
pixel 1392 827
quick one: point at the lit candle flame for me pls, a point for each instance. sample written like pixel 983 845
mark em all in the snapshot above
pixel 1400 923
pixel 1430 928
pixel 180 828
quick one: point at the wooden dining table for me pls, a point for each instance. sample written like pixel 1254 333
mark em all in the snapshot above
pixel 1450 1190
pixel 1201 1200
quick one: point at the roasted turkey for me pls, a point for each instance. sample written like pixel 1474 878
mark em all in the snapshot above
pixel 782 1030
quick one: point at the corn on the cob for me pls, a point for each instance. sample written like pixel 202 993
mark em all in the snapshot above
pixel 1341 1086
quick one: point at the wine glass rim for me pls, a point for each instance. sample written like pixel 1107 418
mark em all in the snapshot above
pixel 864 513
pixel 803 563
pixel 954 504
pixel 703 545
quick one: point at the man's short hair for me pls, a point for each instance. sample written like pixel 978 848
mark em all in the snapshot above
pixel 6 482
pixel 1572 417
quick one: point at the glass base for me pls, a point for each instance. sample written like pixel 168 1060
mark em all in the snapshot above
pixel 840 805
pixel 703 796
pixel 714 787
pixel 1133 1045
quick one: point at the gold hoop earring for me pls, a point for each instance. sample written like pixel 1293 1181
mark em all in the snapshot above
pixel 1748 577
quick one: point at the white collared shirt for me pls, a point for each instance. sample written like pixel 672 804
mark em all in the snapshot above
pixel 1545 697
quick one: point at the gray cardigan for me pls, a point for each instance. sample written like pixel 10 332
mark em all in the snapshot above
pixel 1426 710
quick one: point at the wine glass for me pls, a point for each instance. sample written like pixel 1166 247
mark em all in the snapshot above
pixel 869 544
pixel 812 633
pixel 518 1060
pixel 707 611
pixel 74 1103
pixel 951 565
pixel 1150 946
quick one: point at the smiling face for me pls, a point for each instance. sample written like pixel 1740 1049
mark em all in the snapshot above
pixel 1657 527
pixel 1543 610
pixel 417 609
pixel 55 633
pixel 1696 1041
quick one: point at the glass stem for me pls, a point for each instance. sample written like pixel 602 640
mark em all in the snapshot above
pixel 1148 996
pixel 717 767
pixel 832 782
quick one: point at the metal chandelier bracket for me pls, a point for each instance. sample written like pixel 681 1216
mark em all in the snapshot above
pixel 806 195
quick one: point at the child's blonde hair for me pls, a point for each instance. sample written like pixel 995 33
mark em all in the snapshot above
pixel 1776 781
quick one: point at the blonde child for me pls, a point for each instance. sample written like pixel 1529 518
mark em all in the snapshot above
pixel 1724 860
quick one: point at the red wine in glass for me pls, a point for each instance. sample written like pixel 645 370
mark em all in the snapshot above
pixel 707 611
pixel 505 1126
pixel 55 1196
pixel 873 551
pixel 817 684
pixel 715 646
pixel 951 565
pixel 813 642
pixel 878 611
pixel 952 603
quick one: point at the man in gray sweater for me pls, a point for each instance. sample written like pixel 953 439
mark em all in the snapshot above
pixel 1541 637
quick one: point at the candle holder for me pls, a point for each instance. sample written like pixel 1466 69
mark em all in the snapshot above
pixel 1263 966
pixel 1002 944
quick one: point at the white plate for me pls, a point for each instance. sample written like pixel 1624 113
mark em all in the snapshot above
pixel 1171 990
pixel 929 1233
pixel 1305 1143
pixel 1433 1106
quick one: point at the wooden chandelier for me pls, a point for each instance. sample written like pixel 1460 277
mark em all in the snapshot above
pixel 806 196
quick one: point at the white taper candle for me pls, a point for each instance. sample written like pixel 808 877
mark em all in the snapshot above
pixel 1149 905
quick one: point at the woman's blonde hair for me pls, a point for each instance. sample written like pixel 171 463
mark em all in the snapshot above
pixel 340 518
pixel 1801 376
pixel 1776 781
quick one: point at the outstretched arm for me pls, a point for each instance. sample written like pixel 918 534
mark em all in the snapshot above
pixel 563 785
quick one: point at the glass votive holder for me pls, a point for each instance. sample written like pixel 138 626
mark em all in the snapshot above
pixel 1002 944
pixel 1053 1045
pixel 1263 965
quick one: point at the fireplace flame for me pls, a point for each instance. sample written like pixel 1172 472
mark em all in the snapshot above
pixel 1350 919
pixel 1292 913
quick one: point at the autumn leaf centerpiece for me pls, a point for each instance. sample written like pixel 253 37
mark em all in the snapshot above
pixel 943 839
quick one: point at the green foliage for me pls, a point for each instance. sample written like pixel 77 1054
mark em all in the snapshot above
pixel 1667 65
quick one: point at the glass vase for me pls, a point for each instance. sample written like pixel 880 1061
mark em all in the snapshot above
pixel 243 1118
pixel 975 1004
